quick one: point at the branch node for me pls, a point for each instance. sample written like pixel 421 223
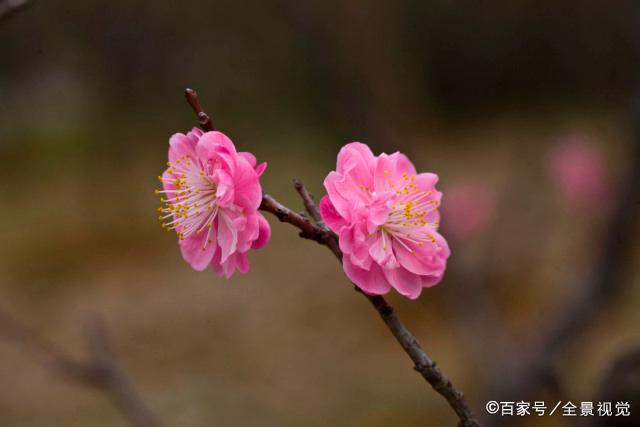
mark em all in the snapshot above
pixel 203 118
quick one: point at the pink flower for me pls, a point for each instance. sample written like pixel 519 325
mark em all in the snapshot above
pixel 386 217
pixel 470 209
pixel 577 167
pixel 212 196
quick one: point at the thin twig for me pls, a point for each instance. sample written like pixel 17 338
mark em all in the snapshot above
pixel 423 363
pixel 309 203
pixel 308 230
pixel 99 370
pixel 203 118
pixel 9 7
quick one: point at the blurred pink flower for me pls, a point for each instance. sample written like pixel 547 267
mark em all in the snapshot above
pixel 470 209
pixel 212 196
pixel 386 217
pixel 576 166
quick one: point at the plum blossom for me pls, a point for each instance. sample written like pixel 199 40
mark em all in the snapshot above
pixel 386 217
pixel 471 208
pixel 211 194
pixel 576 166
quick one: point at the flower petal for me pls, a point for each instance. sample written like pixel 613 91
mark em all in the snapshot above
pixel 197 250
pixel 429 259
pixel 357 159
pixel 248 192
pixel 392 171
pixel 330 215
pixel 217 146
pixel 403 281
pixel 181 145
pixel 372 281
pixel 227 235
pixel 261 168
pixel 264 233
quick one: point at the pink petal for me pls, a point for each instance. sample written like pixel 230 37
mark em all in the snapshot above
pixel 378 212
pixel 429 259
pixel 330 215
pixel 427 182
pixel 238 261
pixel 227 235
pixel 356 158
pixel 341 204
pixel 194 135
pixel 249 157
pixel 179 146
pixel 381 248
pixel 372 281
pixel 264 233
pixel 242 262
pixel 389 170
pixel 353 243
pixel 248 233
pixel 225 269
pixel 403 164
pixel 248 192
pixel 197 251
pixel 217 146
pixel 405 282
pixel 260 168
pixel 360 250
pixel 430 281
pixel 346 239
pixel 225 189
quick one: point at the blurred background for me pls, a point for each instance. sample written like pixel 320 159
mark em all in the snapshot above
pixel 524 109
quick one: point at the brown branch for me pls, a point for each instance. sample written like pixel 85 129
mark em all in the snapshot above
pixel 308 230
pixel 203 118
pixel 99 370
pixel 319 233
pixel 9 7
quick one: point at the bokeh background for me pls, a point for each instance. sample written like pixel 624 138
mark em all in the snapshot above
pixel 523 108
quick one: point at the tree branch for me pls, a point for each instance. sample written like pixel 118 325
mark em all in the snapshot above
pixel 100 369
pixel 319 233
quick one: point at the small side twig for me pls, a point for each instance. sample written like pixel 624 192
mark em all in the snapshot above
pixel 203 118
pixel 308 230
pixel 319 233
pixel 309 203
pixel 99 370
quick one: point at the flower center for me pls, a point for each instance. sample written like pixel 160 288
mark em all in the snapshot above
pixel 408 220
pixel 190 204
